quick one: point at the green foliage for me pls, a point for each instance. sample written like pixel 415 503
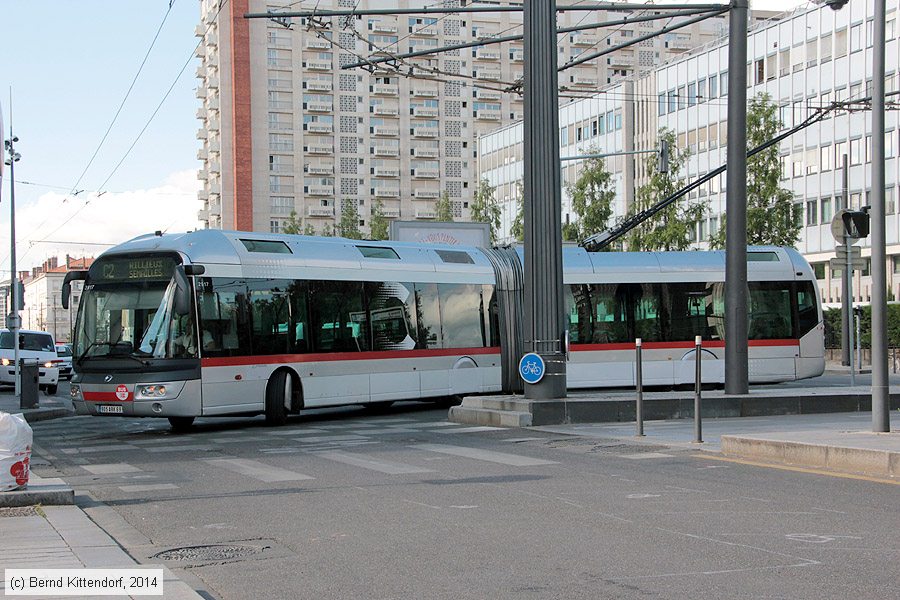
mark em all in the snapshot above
pixel 444 208
pixel 349 225
pixel 517 230
pixel 292 225
pixel 378 224
pixel 833 327
pixel 671 228
pixel 592 196
pixel 328 230
pixel 772 218
pixel 486 208
pixel 308 229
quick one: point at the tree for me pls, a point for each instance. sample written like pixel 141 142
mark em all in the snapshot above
pixel 378 224
pixel 485 208
pixel 308 229
pixel 292 225
pixel 443 208
pixel 671 228
pixel 328 230
pixel 772 218
pixel 592 196
pixel 517 230
pixel 349 225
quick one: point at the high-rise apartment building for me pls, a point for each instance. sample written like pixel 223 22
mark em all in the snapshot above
pixel 285 129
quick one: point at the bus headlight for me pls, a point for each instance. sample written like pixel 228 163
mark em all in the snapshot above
pixel 158 391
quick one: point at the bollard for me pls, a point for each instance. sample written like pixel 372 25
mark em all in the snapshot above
pixel 698 427
pixel 639 380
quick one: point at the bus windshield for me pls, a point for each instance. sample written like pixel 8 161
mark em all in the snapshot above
pixel 132 320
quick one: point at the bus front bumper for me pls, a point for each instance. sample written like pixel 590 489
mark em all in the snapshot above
pixel 124 400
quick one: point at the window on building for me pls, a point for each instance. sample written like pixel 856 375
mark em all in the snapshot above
pixel 713 136
pixel 797 58
pixel 797 165
pixel 723 82
pixel 673 101
pixel 812 214
pixel 771 66
pixel 825 47
pixel 855 201
pixel 713 86
pixel 889 137
pixel 890 206
pixel 662 104
pixel 682 97
pixel 784 57
pixel 856 151
pixel 692 94
pixel 812 162
pixel 701 90
pixel 759 71
pixel 825 158
pixel 840 43
pixel 856 41
pixel 826 210
pixel 840 149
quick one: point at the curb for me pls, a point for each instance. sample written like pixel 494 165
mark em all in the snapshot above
pixel 45 494
pixel 857 461
pixel 33 415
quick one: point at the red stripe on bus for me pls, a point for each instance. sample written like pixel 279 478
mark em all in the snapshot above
pixel 105 397
pixel 677 345
pixel 234 361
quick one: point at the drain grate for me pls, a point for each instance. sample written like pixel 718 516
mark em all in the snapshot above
pixel 20 511
pixel 212 552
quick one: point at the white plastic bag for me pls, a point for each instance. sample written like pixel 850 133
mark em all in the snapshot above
pixel 15 451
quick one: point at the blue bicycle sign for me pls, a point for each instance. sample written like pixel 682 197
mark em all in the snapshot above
pixel 531 368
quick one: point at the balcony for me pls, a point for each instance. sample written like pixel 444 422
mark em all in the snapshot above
pixel 426 31
pixel 518 55
pixel 214 190
pixel 489 74
pixel 382 89
pixel 426 132
pixel 212 39
pixel 382 131
pixel 199 31
pixel 201 113
pixel 202 154
pixel 319 86
pixel 391 213
pixel 386 172
pixel 202 174
pixel 387 151
pixel 203 195
pixel 215 210
pixel 584 80
pixel 586 40
pixel 212 102
pixel 427 194
pixel 387 111
pixel 426 152
pixel 426 173
pixel 201 92
pixel 319 127
pixel 489 95
pixel 425 93
pixel 387 192
pixel 319 149
pixel 384 28
pixel 427 112
pixel 318 65
pixel 215 167
pixel 321 169
pixel 200 52
pixel 623 60
pixel 319 106
pixel 518 115
pixel 202 134
pixel 317 44
pixel 486 34
pixel 488 115
pixel 425 213
pixel 487 54
pixel 320 211
pixel 321 190
pixel 215 146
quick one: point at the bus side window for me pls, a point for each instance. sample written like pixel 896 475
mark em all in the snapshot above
pixel 337 316
pixel 428 316
pixel 807 307
pixel 220 306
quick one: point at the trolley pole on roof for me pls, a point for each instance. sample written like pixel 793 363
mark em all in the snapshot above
pixel 543 202
pixel 736 372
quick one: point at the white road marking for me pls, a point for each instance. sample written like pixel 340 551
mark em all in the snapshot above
pixel 470 429
pixel 525 439
pixel 110 468
pixel 303 431
pixel 257 470
pixel 182 448
pixel 386 431
pixel 486 455
pixel 106 448
pixel 148 488
pixel 330 438
pixel 641 455
pixel 382 466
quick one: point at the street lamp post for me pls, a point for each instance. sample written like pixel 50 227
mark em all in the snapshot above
pixel 13 321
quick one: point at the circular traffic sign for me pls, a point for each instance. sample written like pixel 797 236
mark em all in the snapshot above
pixel 531 368
pixel 837 226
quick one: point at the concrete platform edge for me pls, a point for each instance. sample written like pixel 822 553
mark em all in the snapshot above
pixel 858 461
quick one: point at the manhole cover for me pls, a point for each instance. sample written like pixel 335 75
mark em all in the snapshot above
pixel 212 552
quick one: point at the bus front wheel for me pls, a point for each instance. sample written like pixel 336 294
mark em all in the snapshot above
pixel 278 395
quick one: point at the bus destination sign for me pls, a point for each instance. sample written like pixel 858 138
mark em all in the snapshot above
pixel 135 269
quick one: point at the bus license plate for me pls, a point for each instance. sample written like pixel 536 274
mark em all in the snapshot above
pixel 110 409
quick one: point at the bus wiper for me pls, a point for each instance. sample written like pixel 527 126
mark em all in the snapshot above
pixel 84 355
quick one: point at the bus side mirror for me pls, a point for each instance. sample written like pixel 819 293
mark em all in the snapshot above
pixel 67 285
pixel 182 302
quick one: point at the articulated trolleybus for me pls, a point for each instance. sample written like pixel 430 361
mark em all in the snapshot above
pixel 216 323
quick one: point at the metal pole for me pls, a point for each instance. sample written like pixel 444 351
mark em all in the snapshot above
pixel 639 381
pixel 859 363
pixel 698 379
pixel 847 304
pixel 544 319
pixel 849 287
pixel 881 401
pixel 736 374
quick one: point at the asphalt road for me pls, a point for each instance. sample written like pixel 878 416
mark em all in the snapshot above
pixel 348 503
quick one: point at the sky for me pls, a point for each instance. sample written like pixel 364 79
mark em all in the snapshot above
pixel 68 67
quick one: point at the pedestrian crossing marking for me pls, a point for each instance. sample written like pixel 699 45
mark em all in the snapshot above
pixel 330 438
pixel 257 470
pixel 181 448
pixel 382 466
pixel 470 429
pixel 106 448
pixel 110 469
pixel 154 487
pixel 641 455
pixel 486 455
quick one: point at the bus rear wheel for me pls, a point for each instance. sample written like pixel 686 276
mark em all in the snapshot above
pixel 278 394
pixel 181 424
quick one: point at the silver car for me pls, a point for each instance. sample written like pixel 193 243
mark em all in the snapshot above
pixel 64 351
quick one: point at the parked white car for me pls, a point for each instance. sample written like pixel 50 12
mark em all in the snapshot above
pixel 32 345
pixel 64 351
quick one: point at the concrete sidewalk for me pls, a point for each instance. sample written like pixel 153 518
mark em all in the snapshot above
pixel 49 407
pixel 839 442
pixel 63 537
